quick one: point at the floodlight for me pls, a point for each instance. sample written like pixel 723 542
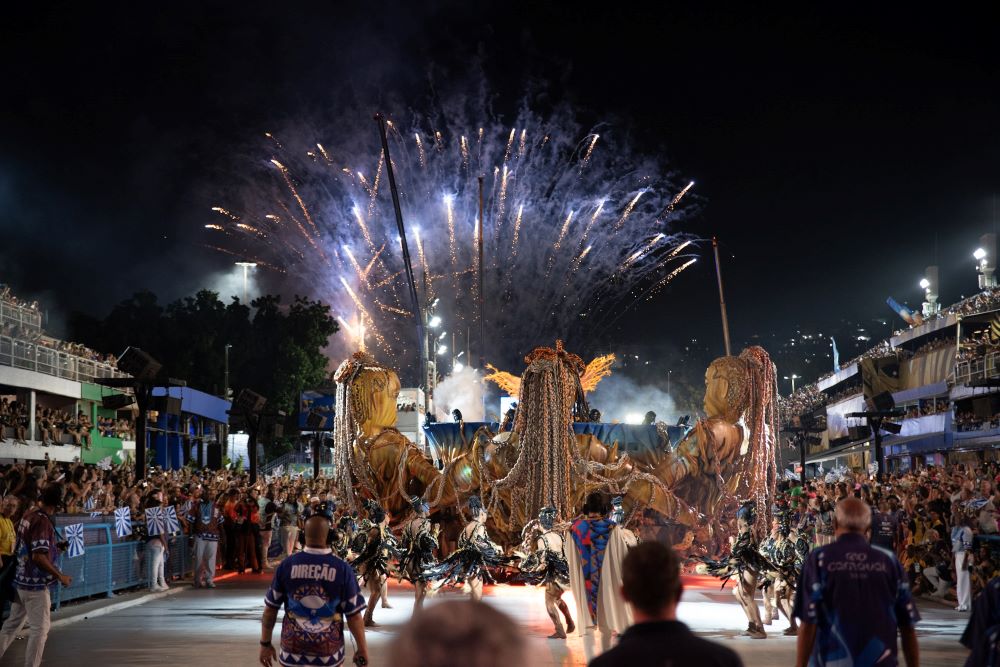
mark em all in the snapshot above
pixel 924 283
pixel 435 322
pixel 979 254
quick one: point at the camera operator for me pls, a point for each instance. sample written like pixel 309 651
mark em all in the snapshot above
pixel 36 552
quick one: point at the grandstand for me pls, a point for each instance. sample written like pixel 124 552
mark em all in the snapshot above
pixel 51 405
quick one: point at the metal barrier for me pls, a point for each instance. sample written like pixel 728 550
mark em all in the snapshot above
pixel 110 564
pixel 31 356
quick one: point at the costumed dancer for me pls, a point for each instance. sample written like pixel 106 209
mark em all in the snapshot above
pixel 595 570
pixel 746 564
pixel 785 556
pixel 547 565
pixel 476 553
pixel 373 565
pixel 420 539
pixel 770 576
pixel 346 530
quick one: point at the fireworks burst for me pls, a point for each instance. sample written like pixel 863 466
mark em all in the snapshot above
pixel 576 231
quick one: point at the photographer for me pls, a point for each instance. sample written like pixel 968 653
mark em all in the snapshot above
pixel 37 549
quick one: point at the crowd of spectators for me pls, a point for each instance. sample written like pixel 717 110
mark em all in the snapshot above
pixel 920 516
pixel 933 345
pixel 927 407
pixel 970 421
pixel 56 426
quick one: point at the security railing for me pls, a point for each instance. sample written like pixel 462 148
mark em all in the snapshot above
pixel 18 315
pixel 110 564
pixel 979 368
pixel 24 354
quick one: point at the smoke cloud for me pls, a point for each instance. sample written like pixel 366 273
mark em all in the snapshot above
pixel 462 390
pixel 619 397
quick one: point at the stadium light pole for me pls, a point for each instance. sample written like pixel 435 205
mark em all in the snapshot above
pixel 246 269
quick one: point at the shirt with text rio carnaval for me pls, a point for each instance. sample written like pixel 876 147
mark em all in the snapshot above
pixel 318 590
pixel 857 595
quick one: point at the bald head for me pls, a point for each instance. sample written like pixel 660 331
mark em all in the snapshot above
pixel 852 516
pixel 317 528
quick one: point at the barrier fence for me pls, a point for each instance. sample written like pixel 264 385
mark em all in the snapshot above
pixel 110 563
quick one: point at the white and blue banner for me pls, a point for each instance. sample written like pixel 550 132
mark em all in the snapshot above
pixel 123 522
pixel 155 521
pixel 170 514
pixel 74 535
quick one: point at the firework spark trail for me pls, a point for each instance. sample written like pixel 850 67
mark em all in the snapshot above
pixel 375 184
pixel 215 227
pixel 642 251
pixel 669 277
pixel 222 211
pixel 242 257
pixel 364 313
pixel 420 150
pixel 510 144
pixel 428 288
pixel 590 151
pixel 628 210
pixel 295 193
pixel 676 200
pixel 593 219
pixel 362 277
pixel 582 267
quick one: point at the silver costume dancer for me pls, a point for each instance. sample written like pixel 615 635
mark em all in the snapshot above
pixel 419 540
pixel 547 566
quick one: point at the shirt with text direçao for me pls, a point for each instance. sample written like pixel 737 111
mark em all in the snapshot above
pixel 318 590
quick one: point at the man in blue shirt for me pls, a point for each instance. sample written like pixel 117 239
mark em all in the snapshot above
pixel 852 597
pixel 318 590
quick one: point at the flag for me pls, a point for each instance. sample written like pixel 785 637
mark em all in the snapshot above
pixel 94 515
pixel 105 463
pixel 90 503
pixel 173 526
pixel 155 522
pixel 74 535
pixel 836 355
pixel 123 522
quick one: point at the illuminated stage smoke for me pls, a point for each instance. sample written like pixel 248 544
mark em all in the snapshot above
pixel 576 230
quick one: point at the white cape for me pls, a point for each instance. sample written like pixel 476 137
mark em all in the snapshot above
pixel 612 612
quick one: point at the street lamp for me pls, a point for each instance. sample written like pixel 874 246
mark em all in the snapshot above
pixel 442 349
pixel 793 377
pixel 246 269
pixel 435 322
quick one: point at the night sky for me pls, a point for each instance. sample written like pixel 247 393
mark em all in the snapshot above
pixel 835 155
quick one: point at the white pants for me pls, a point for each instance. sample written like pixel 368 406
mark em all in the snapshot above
pixel 33 607
pixel 940 585
pixel 289 535
pixel 962 581
pixel 265 545
pixel 154 556
pixel 204 559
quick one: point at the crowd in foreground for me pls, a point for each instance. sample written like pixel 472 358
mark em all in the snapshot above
pixel 939 524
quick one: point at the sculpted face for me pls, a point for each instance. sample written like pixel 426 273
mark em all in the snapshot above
pixel 726 391
pixel 380 389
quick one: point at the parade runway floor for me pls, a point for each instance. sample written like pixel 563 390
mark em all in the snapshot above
pixel 221 628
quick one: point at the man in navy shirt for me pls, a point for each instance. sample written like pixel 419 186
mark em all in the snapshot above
pixel 651 585
pixel 852 597
pixel 318 590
